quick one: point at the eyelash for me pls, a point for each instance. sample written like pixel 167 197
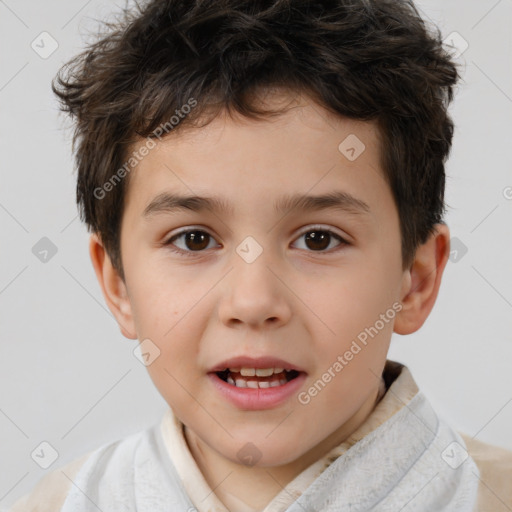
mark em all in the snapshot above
pixel 173 248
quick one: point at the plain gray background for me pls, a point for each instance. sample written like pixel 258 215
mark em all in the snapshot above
pixel 69 378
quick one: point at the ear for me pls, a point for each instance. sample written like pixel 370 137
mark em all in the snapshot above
pixel 113 287
pixel 422 281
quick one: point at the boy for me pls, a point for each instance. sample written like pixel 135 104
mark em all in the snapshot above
pixel 302 145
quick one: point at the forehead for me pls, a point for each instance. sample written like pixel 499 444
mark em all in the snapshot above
pixel 235 162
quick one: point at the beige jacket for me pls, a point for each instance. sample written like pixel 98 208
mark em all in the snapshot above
pixel 494 463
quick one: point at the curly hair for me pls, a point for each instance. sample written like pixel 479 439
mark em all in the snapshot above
pixel 370 60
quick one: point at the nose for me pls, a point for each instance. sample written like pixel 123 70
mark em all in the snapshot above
pixel 255 295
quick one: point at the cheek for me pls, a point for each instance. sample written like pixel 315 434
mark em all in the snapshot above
pixel 353 301
pixel 159 300
pixel 174 372
pixel 177 386
pixel 168 318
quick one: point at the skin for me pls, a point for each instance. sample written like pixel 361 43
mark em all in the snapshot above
pixel 293 302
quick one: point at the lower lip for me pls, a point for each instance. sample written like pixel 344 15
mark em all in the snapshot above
pixel 257 398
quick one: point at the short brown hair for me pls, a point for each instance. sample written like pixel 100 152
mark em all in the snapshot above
pixel 363 59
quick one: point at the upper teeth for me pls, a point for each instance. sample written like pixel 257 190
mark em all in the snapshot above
pixel 260 372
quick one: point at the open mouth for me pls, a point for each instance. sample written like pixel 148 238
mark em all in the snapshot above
pixel 257 377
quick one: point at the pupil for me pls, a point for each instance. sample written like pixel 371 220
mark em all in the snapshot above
pixel 318 237
pixel 196 237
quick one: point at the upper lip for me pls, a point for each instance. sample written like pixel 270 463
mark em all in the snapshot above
pixel 255 362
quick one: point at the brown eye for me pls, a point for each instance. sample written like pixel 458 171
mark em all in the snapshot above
pixel 196 240
pixel 193 240
pixel 318 240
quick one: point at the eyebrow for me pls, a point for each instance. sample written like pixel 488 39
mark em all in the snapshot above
pixel 169 203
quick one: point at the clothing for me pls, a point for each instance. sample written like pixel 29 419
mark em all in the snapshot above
pixel 403 457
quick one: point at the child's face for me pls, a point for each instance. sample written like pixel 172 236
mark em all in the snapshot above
pixel 304 300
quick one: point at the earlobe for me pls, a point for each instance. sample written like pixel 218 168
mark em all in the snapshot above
pixel 113 288
pixel 422 281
